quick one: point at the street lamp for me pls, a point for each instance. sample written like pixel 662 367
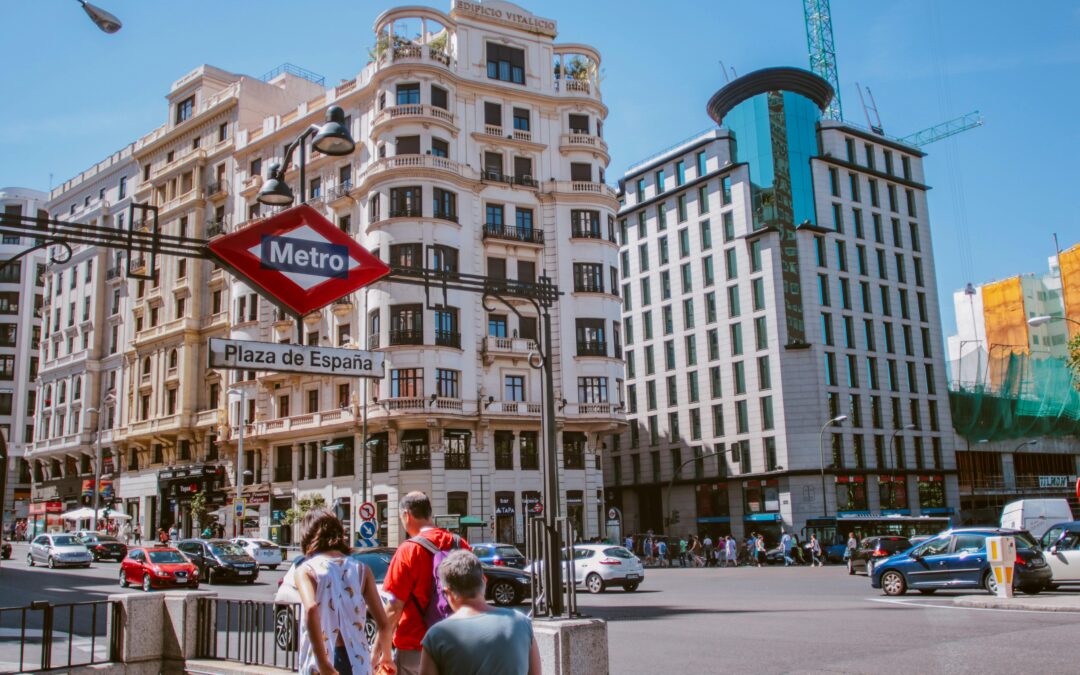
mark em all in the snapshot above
pixel 97 466
pixel 892 440
pixel 1025 444
pixel 240 473
pixel 821 448
pixel 332 138
pixel 102 19
pixel 1037 321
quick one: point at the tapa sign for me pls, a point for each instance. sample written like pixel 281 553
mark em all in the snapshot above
pixel 299 259
pixel 287 358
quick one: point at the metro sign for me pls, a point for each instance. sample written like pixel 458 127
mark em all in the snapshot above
pixel 299 259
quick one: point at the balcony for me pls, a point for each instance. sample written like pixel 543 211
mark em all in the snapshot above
pixel 579 232
pixel 112 273
pixel 457 460
pixel 306 423
pixel 524 235
pixel 409 212
pixel 207 418
pixel 373 341
pixel 412 163
pixel 591 348
pixel 578 187
pixel 343 306
pixel 582 141
pixel 411 336
pixel 404 403
pixel 338 193
pixel 445 338
pixel 419 112
pixel 515 348
pixel 588 286
pixel 216 190
pixel 517 408
pixel 251 185
pixel 214 228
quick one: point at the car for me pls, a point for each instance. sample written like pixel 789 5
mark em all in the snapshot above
pixel 599 566
pixel 157 567
pixel 1035 515
pixel 264 551
pixel 500 555
pixel 219 560
pixel 1061 548
pixel 103 546
pixel 5 550
pixel 956 559
pixel 874 549
pixel 919 538
pixel 58 550
pixel 506 585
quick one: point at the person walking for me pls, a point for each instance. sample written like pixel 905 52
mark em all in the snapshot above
pixel 137 535
pixel 682 551
pixel 661 548
pixel 849 552
pixel 336 592
pixel 759 549
pixel 785 547
pixel 417 601
pixel 815 551
pixel 477 639
pixel 163 536
pixel 707 547
pixel 174 533
pixel 732 549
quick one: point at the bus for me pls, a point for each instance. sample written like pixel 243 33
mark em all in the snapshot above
pixel 832 532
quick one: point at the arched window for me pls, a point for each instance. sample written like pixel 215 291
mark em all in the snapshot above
pixel 172 360
pixel 146 367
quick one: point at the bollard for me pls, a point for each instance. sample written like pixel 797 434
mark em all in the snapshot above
pixel 1001 553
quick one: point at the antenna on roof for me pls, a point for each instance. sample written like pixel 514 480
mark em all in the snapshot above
pixel 875 122
pixel 724 72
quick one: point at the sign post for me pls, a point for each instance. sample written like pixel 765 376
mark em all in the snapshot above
pixel 1001 554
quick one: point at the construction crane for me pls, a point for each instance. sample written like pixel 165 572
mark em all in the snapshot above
pixel 822 49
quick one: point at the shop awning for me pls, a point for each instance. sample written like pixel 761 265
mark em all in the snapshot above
pixel 472 521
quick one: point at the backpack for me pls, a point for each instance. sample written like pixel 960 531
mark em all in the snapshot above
pixel 439 607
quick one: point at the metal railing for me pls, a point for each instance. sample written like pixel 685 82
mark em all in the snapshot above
pixel 62 635
pixel 250 632
pixel 445 338
pixel 412 336
pixel 591 348
pixel 536 540
pixel 513 233
pixel 457 460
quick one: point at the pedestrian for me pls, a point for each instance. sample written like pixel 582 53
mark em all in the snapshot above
pixel 732 551
pixel 661 552
pixel 785 548
pixel 417 601
pixel 163 537
pixel 815 551
pixel 630 543
pixel 759 549
pixel 849 552
pixel 707 548
pixel 138 535
pixel 174 533
pixel 477 639
pixel 682 551
pixel 327 582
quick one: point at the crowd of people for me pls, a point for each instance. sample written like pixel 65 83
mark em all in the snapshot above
pixel 726 551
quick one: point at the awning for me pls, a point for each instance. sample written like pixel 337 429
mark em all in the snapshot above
pixel 472 521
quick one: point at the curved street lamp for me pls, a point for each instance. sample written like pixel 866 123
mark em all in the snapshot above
pixel 1037 321
pixel 821 447
pixel 102 19
pixel 332 138
pixel 892 441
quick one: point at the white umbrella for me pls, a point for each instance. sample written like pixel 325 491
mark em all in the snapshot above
pixel 115 515
pixel 79 514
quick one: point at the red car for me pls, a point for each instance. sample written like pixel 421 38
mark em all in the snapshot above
pixel 157 567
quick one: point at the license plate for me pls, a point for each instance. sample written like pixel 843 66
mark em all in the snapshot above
pixel 631 576
pixel 245 573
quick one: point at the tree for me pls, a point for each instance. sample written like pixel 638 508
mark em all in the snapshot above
pixel 198 508
pixel 1074 359
pixel 295 514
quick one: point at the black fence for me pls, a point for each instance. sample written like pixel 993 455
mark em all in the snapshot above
pixel 45 636
pixel 250 632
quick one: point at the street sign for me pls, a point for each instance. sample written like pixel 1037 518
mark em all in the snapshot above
pixel 538 508
pixel 288 358
pixel 368 542
pixel 238 508
pixel 367 511
pixel 299 259
pixel 333 447
pixel 368 529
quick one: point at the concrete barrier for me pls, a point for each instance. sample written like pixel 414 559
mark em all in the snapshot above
pixel 572 646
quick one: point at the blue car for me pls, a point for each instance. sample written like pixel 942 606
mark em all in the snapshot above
pixel 500 555
pixel 956 559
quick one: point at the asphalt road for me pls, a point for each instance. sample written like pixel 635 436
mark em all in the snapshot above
pixel 770 620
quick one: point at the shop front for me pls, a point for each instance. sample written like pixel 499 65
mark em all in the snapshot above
pixel 713 510
pixel 505 516
pixel 932 501
pixel 851 497
pixel 761 509
pixel 892 495
pixel 44 517
pixel 178 487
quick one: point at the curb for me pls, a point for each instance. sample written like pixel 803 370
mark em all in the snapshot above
pixel 1017 603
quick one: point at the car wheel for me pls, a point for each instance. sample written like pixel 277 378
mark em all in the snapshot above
pixel 273 568
pixel 251 580
pixel 893 583
pixel 1032 590
pixel 503 593
pixel 146 584
pixel 594 583
pixel 1050 587
pixel 52 563
pixel 285 629
pixel 123 579
pixel 927 591
pixel 990 583
pixel 195 586
pixel 630 588
pixel 29 560
pixel 869 568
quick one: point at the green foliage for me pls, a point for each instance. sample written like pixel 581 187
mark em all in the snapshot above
pixel 1074 359
pixel 198 508
pixel 295 514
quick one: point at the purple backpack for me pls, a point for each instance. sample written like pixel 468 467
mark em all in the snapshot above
pixel 439 607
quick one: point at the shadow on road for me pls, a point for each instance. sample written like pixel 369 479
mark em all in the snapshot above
pixel 651 612
pixel 22 585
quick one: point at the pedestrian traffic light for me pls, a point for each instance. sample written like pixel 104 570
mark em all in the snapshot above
pixel 675 516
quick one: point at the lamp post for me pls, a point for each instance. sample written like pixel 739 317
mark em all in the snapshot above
pixel 1037 321
pixel 821 448
pixel 332 138
pixel 97 466
pixel 892 441
pixel 239 457
pixel 102 19
pixel 1025 444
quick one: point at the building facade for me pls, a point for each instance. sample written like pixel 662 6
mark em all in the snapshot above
pixel 20 332
pixel 777 274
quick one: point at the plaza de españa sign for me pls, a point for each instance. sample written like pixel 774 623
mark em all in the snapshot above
pixel 288 358
pixel 299 259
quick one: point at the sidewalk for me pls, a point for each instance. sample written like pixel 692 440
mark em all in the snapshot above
pixel 1031 603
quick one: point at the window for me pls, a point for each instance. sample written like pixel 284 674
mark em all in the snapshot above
pixel 592 390
pixel 521 119
pixel 444 204
pixel 408 94
pixel 505 63
pixel 185 109
pixel 405 202
pixel 514 388
pixel 447 383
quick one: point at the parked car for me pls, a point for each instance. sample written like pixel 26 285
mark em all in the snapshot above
pixel 219 560
pixel 58 550
pixel 1035 515
pixel 598 566
pixel 5 550
pixel 500 555
pixel 265 552
pixel 103 546
pixel 507 585
pixel 1061 548
pixel 157 567
pixel 872 550
pixel 957 559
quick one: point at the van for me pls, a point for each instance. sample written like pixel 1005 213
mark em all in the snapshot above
pixel 1035 515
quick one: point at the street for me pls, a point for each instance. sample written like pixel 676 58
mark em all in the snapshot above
pixel 769 620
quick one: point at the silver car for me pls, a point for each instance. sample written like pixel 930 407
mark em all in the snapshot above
pixel 58 550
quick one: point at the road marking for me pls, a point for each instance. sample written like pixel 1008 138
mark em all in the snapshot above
pixel 914 602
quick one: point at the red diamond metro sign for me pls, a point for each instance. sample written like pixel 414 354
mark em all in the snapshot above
pixel 299 259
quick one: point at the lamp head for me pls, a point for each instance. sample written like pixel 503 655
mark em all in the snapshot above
pixel 838 419
pixel 1037 321
pixel 333 137
pixel 275 191
pixel 102 19
pixel 910 427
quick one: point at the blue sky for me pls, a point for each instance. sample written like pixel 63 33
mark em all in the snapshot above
pixel 73 94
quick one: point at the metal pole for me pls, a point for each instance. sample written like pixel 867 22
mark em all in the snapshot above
pixel 97 479
pixel 303 168
pixel 364 447
pixel 237 531
pixel 821 448
pixel 552 562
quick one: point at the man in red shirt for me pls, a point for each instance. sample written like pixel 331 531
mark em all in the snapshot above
pixel 409 580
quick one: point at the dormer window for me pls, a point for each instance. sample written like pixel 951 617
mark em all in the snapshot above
pixel 505 63
pixel 185 109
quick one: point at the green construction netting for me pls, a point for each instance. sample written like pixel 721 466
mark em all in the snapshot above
pixel 1019 397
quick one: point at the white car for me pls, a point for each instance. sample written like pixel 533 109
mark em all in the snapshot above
pixel 1061 549
pixel 58 550
pixel 598 566
pixel 266 553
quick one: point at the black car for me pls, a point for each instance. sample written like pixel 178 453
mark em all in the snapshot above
pixel 104 547
pixel 506 585
pixel 5 550
pixel 873 550
pixel 220 560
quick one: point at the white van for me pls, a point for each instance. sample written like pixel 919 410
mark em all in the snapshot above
pixel 1035 515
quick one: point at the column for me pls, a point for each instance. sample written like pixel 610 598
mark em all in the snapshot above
pixel 1008 471
pixel 297 457
pixel 331 459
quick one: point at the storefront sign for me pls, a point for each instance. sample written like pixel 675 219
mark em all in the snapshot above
pixel 504 505
pixel 288 358
pixel 38 508
pixel 1055 482
pixel 260 498
pixel 187 472
pixel 505 13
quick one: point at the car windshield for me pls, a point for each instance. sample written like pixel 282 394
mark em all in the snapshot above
pixel 1025 540
pixel 226 549
pixel 618 552
pixel 508 552
pixel 378 564
pixel 166 557
pixel 894 545
pixel 65 540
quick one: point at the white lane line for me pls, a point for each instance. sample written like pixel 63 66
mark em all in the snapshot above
pixel 915 603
